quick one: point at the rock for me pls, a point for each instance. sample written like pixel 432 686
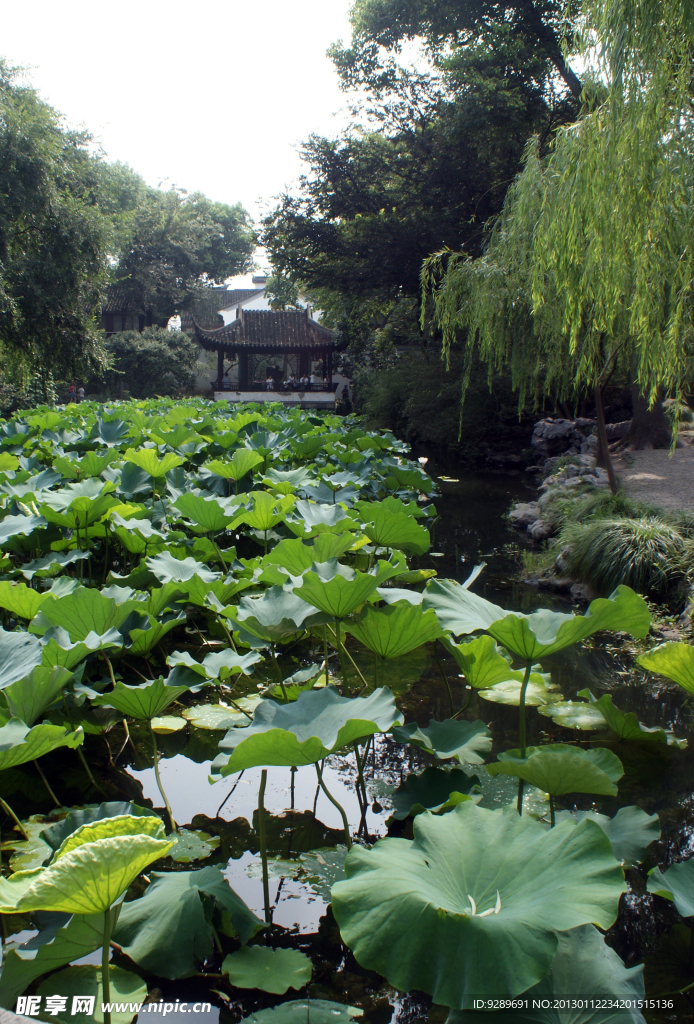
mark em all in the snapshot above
pixel 524 513
pixel 571 471
pixel 582 592
pixel 559 585
pixel 590 445
pixel 602 479
pixel 540 530
pixel 616 431
pixel 561 561
pixel 584 424
pixel 556 437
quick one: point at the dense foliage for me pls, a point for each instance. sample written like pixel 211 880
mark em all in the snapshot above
pixel 147 364
pixel 240 577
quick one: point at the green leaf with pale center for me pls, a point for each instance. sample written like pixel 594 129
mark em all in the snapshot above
pixel 19 743
pixel 82 612
pixel 144 701
pixel 338 590
pixel 558 769
pixel 674 660
pixel 28 698
pixel 480 662
pixel 296 556
pixel 146 458
pixel 470 742
pixel 437 935
pixel 241 462
pixel 270 970
pixel 396 530
pixel 676 884
pixel 625 723
pixel 21 600
pixel 539 691
pixel 305 1011
pixel 19 654
pixel 167 569
pixel 275 616
pixel 208 514
pixel 395 629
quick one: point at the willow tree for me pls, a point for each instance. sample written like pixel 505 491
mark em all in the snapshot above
pixel 589 268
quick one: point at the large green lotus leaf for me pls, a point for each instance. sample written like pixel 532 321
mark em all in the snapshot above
pixel 558 768
pixel 396 530
pixel 111 432
pixel 275 616
pixel 267 510
pixel 625 723
pixel 19 526
pixel 630 831
pixel 125 987
pixel 19 743
pixel 59 942
pixel 296 557
pixel 28 698
pixel 676 884
pixel 337 591
pixel 241 462
pixel 270 970
pixel 19 654
pixel 109 828
pixel 197 591
pixel 145 640
pixel 305 1011
pixel 676 661
pixel 480 662
pixel 312 518
pixel 21 600
pixel 306 730
pixel 78 505
pixel 543 632
pixel 434 789
pixel 395 629
pixel 220 717
pixel 574 714
pixel 470 742
pixel 57 648
pixel 539 691
pixel 52 563
pixel 584 969
pixel 58 833
pixel 207 513
pixel 91 464
pixel 218 665
pixel 87 880
pixel 321 868
pixel 146 458
pixel 82 612
pixel 167 569
pixel 168 932
pixel 144 701
pixel 473 905
pixel 293 478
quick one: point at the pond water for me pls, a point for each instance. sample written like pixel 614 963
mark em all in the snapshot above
pixel 470 529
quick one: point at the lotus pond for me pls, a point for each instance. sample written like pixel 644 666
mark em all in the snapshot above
pixel 271 740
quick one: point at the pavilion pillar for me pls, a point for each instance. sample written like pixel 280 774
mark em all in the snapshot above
pixel 220 368
pixel 329 373
pixel 243 371
pixel 304 363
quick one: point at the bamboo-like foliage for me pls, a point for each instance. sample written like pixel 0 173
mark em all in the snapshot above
pixel 590 263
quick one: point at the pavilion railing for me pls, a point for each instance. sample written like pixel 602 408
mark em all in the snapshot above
pixel 282 388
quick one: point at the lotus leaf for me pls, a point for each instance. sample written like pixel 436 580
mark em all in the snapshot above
pixel 85 611
pixel 558 768
pixel 270 970
pixel 480 662
pixel 267 511
pixel 111 432
pixel 166 725
pixel 337 590
pixel 192 846
pixel 313 518
pixel 208 514
pixel 676 884
pixel 107 828
pixel 435 789
pixel 28 698
pixel 63 939
pixel 296 557
pixel 144 701
pixel 322 868
pixel 676 661
pixel 92 464
pixel 125 989
pixel 275 616
pixel 168 932
pixel 57 648
pixel 574 714
pixel 630 831
pixel 585 969
pixel 396 530
pixel 543 632
pixel 19 743
pixel 470 742
pixel 87 880
pixel 51 564
pixel 305 731
pixel 625 723
pixel 241 462
pixel 75 508
pixel 145 640
pixel 167 569
pixel 539 691
pixel 438 935
pixel 305 1011
pixel 19 654
pixel 21 600
pixel 146 459
pixel 219 665
pixel 221 716
pixel 19 526
pixel 32 852
pixel 394 630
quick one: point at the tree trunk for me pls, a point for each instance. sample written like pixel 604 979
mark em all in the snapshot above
pixel 604 458
pixel 649 427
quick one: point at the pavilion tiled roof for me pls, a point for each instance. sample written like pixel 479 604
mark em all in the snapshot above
pixel 273 330
pixel 205 310
pixel 116 299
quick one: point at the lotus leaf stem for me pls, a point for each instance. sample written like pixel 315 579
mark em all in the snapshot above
pixel 230 793
pixel 354 664
pixel 521 731
pixel 110 669
pixel 105 954
pixel 221 556
pixel 333 801
pixel 229 637
pixel 325 654
pixel 552 821
pixel 14 817
pixel 167 805
pixel 263 846
pixel 52 795
pixel 444 677
pixel 87 769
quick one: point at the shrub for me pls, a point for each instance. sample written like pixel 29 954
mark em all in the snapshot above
pixel 145 365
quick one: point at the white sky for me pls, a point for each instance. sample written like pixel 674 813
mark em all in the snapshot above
pixel 212 98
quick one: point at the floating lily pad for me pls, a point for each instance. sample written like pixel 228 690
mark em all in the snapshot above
pixel 470 742
pixel 191 846
pixel 165 725
pixel 574 714
pixel 270 970
pixel 538 692
pixel 221 716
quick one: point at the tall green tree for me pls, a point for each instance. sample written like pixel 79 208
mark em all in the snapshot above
pixel 51 237
pixel 589 270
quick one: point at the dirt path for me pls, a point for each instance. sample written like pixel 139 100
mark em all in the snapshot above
pixel 655 477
